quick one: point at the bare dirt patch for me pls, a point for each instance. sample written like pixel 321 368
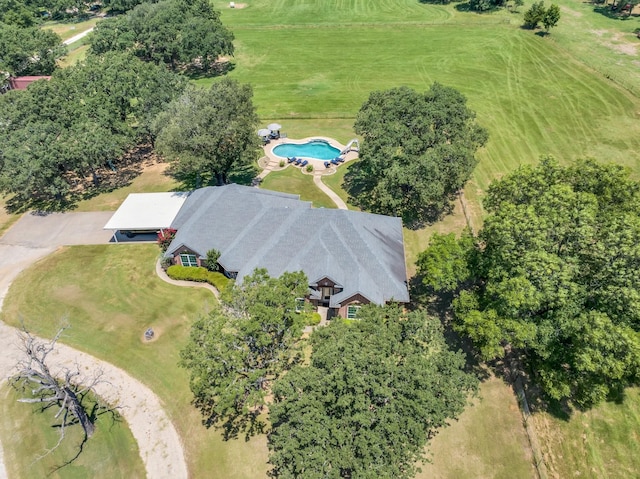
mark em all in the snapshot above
pixel 240 5
pixel 571 12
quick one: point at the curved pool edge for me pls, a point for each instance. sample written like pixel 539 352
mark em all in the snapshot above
pixel 317 164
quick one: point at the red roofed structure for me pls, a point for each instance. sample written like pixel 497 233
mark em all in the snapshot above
pixel 21 83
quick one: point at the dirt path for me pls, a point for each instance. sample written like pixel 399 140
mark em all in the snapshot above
pixel 77 37
pixel 158 441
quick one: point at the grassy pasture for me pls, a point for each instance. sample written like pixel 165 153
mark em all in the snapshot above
pixel 319 62
pixel 112 448
pixel 69 29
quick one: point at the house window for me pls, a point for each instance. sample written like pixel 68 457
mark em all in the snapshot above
pixel 352 311
pixel 327 292
pixel 188 260
pixel 299 305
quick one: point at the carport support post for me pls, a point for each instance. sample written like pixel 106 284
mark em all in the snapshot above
pixel 115 235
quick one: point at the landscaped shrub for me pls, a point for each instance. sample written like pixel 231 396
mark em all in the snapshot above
pixel 187 273
pixel 218 281
pixel 309 168
pixel 211 263
pixel 281 163
pixel 200 275
pixel 313 319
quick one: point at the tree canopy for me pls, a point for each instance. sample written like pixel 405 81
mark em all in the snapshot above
pixel 29 51
pixel 58 132
pixel 207 133
pixel 375 391
pixel 418 151
pixel 235 353
pixel 171 32
pixel 558 277
pixel 549 17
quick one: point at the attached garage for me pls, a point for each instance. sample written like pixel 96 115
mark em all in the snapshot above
pixel 145 213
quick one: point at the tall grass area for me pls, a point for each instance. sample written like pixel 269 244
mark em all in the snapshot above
pixel 110 295
pixel 600 443
pixel 33 432
pixel 487 441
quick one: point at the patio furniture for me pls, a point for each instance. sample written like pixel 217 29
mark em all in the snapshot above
pixel 291 160
pixel 327 164
pixel 334 162
pixel 339 159
pixel 304 163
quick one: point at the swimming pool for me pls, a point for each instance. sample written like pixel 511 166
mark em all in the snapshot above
pixel 315 149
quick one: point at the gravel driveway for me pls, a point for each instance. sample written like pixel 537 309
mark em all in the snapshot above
pixel 34 236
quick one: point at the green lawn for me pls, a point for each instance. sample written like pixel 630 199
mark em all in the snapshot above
pixel 292 180
pixel 112 448
pixel 335 183
pixel 318 62
pixel 77 52
pixel 69 29
pixel 110 295
pixel 487 441
pixel 601 443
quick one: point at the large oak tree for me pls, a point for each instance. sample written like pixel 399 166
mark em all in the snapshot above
pixel 418 151
pixel 208 133
pixel 235 353
pixel 29 51
pixel 558 278
pixel 375 392
pixel 59 132
pixel 171 32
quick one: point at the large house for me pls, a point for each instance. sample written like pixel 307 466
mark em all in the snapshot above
pixel 350 258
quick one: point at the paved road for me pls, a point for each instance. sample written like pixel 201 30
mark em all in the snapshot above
pixel 33 237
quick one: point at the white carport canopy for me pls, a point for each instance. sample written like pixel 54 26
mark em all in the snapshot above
pixel 147 211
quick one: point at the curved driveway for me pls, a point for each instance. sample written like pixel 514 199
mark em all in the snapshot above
pixel 32 238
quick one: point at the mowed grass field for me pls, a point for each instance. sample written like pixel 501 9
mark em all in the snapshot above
pixel 110 295
pixel 292 180
pixel 320 61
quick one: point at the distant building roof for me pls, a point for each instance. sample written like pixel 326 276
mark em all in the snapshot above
pixel 147 211
pixel 254 228
pixel 21 83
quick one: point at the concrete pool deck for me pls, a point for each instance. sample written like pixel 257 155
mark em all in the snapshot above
pixel 273 163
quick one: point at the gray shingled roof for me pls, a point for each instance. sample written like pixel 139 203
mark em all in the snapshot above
pixel 255 228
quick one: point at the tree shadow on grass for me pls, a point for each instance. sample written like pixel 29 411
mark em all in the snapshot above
pixel 439 305
pixel 196 72
pixel 609 12
pixel 94 410
pixel 112 176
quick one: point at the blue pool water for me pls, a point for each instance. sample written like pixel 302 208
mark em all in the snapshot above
pixel 318 150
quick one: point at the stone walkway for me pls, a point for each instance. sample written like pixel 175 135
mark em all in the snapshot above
pixel 317 179
pixel 162 274
pixel 272 163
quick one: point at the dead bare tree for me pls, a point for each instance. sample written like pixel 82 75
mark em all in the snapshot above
pixel 64 388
